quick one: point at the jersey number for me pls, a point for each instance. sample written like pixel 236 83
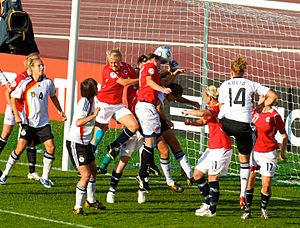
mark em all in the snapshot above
pixel 269 166
pixel 41 96
pixel 239 98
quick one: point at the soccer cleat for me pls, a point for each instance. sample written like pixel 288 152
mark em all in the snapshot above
pixel 3 179
pixel 141 196
pixel 247 213
pixel 203 207
pixel 143 184
pixel 176 187
pixel 112 151
pixel 46 183
pixel 101 171
pixel 190 181
pixel 110 197
pixel 97 205
pixel 264 213
pixel 243 203
pixel 79 211
pixel 154 170
pixel 206 213
pixel 33 176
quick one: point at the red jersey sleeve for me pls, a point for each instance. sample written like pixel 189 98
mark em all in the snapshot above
pixel 279 124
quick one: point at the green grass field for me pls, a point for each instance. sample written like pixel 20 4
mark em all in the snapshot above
pixel 26 203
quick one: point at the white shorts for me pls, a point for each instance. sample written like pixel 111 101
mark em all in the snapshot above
pixel 135 142
pixel 108 111
pixel 9 117
pixel 148 118
pixel 214 161
pixel 266 161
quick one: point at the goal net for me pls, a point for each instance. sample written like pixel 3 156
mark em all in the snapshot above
pixel 204 37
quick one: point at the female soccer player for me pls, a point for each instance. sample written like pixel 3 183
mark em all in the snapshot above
pixel 116 74
pixel 236 99
pixel 80 149
pixel 34 92
pixel 216 158
pixel 147 114
pixel 267 122
pixel 9 118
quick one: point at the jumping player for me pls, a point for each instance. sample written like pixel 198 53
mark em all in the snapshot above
pixel 236 99
pixel 116 74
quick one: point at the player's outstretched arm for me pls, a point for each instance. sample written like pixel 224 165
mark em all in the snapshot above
pixel 58 107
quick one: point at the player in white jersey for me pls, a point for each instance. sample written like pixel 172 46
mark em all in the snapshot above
pixel 9 118
pixel 236 99
pixel 167 138
pixel 80 148
pixel 34 92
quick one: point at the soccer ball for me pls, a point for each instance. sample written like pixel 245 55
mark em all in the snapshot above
pixel 165 53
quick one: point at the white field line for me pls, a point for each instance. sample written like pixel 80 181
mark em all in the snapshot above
pixel 108 174
pixel 43 219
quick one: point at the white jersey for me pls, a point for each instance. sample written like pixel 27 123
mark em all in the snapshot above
pixel 82 134
pixel 35 98
pixel 161 96
pixel 236 97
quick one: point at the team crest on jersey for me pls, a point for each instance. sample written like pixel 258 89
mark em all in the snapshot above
pixel 23 132
pixel 13 84
pixel 125 71
pixel 32 94
pixel 81 159
pixel 151 71
pixel 268 119
pixel 113 75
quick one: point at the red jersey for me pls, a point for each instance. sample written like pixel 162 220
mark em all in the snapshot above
pixel 111 92
pixel 217 137
pixel 132 97
pixel 146 93
pixel 13 86
pixel 267 125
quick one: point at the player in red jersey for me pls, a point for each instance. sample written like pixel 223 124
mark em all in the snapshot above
pixel 116 74
pixel 34 119
pixel 216 158
pixel 147 114
pixel 9 118
pixel 267 122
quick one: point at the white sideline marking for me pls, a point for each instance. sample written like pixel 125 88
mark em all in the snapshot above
pixel 44 219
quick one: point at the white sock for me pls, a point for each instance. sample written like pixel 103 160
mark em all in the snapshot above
pixel 48 160
pixel 11 161
pixel 244 177
pixel 91 191
pixel 166 167
pixel 184 163
pixel 80 192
